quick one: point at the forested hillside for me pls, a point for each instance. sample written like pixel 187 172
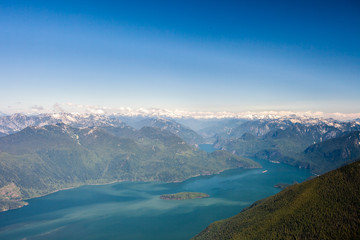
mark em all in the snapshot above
pixel 326 207
pixel 40 160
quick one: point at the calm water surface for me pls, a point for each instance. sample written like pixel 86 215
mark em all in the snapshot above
pixel 207 147
pixel 135 211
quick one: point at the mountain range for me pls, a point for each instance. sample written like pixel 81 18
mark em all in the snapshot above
pixel 13 123
pixel 42 153
pixel 16 122
pixel 284 139
pixel 189 135
pixel 40 160
pixel 291 140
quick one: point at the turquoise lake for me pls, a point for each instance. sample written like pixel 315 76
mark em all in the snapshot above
pixel 134 210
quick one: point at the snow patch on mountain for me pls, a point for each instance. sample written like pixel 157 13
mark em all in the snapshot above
pixel 162 119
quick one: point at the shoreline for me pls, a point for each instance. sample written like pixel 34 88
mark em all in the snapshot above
pixel 121 181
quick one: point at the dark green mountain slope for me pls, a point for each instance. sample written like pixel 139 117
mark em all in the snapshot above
pixel 326 207
pixel 40 160
pixel 334 152
pixel 296 145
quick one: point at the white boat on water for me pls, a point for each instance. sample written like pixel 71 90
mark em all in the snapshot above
pixel 274 161
pixel 264 171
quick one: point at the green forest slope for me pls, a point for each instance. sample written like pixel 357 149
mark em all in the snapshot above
pixel 327 207
pixel 40 160
pixel 295 146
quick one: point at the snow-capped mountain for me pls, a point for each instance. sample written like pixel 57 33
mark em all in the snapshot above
pixel 179 113
pixel 261 127
pixel 257 127
pixel 286 140
pixel 16 122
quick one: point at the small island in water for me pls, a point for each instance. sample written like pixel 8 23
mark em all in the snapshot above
pixel 184 196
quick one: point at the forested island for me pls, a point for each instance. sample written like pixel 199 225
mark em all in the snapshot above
pixel 184 196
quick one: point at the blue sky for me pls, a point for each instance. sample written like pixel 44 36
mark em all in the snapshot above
pixel 190 55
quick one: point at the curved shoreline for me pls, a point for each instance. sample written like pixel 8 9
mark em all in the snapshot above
pixel 120 181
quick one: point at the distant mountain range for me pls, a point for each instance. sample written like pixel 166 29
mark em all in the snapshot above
pixel 326 207
pixel 16 122
pixel 291 140
pixel 45 152
pixel 261 127
pixel 190 136
pixel 283 139
pixel 42 159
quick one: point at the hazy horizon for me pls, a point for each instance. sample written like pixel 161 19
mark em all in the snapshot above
pixel 71 108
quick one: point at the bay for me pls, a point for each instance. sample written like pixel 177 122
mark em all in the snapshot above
pixel 134 210
pixel 207 147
